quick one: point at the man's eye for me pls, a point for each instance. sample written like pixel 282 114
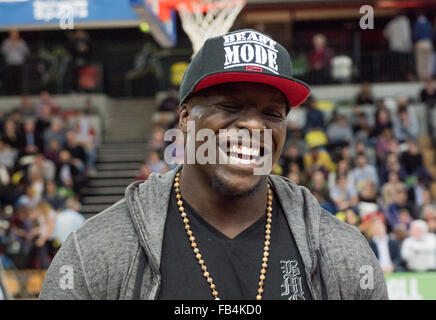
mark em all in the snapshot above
pixel 228 107
pixel 275 116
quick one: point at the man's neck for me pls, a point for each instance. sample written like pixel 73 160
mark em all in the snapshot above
pixel 229 215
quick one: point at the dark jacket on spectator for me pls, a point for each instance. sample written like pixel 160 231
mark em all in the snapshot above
pixel 394 252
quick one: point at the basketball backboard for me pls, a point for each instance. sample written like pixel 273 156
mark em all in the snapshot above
pixel 162 27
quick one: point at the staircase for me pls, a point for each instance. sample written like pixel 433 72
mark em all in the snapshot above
pixel 120 155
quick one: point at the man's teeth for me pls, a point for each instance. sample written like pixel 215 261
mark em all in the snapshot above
pixel 236 160
pixel 244 151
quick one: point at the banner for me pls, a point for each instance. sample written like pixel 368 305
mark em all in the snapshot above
pixel 27 13
pixel 411 286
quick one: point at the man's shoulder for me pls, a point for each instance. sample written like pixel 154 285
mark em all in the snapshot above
pixel 111 229
pixel 346 246
pixel 332 227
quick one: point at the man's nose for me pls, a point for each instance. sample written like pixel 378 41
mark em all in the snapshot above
pixel 251 119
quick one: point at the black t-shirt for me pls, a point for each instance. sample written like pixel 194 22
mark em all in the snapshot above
pixel 234 264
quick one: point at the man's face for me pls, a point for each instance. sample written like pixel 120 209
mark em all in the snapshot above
pixel 361 161
pixel 378 228
pixel 247 106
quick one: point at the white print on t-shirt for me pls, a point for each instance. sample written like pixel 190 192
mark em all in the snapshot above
pixel 250 49
pixel 292 287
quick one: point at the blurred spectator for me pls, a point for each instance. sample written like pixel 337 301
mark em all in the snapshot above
pixel 314 117
pixel 67 221
pixel 392 164
pixel 56 131
pixel 46 101
pixel 39 253
pixel 84 136
pixel 170 103
pixel 428 94
pixel 144 173
pixel 382 121
pixel 419 250
pixel 11 135
pixel 399 34
pixel 89 109
pixel 361 128
pixel 318 159
pixel 23 230
pixel 37 183
pixel 44 120
pixel 365 95
pixel 320 57
pixel 16 116
pixel 31 139
pixel 360 147
pixel 418 192
pixel 343 194
pixel 339 132
pixel 2 121
pixel 411 159
pixel 15 51
pixel 324 202
pixel 67 174
pixel 400 233
pixel 295 177
pixel 383 145
pixel 76 150
pixel 56 201
pixel 391 188
pixel 428 214
pixel 318 183
pixel 155 163
pixel 157 139
pixel 80 49
pixel 26 107
pixel 422 38
pixel 364 172
pixel 343 168
pixel 44 166
pixel 8 155
pixel 292 155
pixel 349 216
pixel 5 179
pixel 405 126
pixel 28 200
pixel 52 151
pixel 386 249
pixel 393 211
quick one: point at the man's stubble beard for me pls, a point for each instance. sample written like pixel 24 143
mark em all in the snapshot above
pixel 223 189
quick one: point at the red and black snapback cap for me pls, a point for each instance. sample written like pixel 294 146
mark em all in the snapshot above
pixel 243 56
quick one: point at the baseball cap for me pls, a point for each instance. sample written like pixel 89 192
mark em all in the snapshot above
pixel 243 56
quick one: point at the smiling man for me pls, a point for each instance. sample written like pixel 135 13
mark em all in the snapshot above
pixel 218 230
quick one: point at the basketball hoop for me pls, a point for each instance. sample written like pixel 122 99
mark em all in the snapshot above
pixel 202 19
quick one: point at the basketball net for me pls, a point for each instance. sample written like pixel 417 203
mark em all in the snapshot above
pixel 202 19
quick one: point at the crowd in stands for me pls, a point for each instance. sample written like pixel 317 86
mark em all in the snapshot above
pixel 410 39
pixel 367 172
pixel 46 155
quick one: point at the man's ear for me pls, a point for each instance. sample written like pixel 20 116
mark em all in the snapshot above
pixel 185 116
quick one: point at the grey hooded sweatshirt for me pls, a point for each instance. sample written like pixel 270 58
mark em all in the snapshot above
pixel 117 253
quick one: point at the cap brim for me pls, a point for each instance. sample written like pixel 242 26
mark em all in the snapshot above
pixel 296 91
